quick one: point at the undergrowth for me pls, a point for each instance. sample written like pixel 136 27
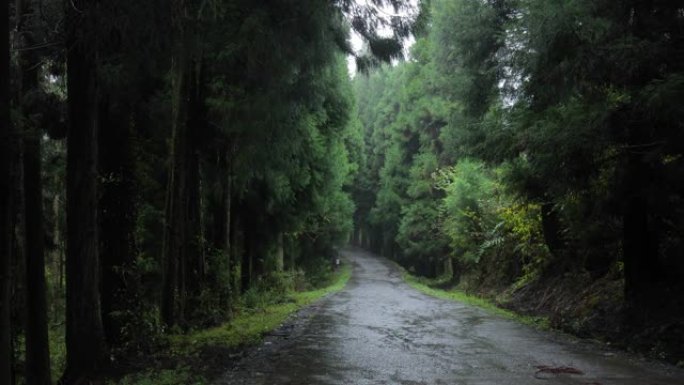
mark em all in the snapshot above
pixel 252 323
pixel 188 357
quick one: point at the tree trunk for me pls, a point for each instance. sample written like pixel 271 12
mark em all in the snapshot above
pixel 449 268
pixel 183 244
pixel 169 260
pixel 640 248
pixel 85 342
pixel 19 246
pixel 246 265
pixel 116 217
pixel 37 347
pixel 194 254
pixel 7 146
pixel 551 229
pixel 228 196
pixel 57 255
pixel 280 253
pixel 175 219
pixel 235 236
pixel 216 203
pixel 291 254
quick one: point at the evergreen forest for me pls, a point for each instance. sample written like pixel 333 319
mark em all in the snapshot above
pixel 179 176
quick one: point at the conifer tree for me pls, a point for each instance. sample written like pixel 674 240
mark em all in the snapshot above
pixel 37 349
pixel 85 340
pixel 7 146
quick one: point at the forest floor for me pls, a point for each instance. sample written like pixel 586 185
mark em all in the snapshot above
pixel 380 330
pixel 200 357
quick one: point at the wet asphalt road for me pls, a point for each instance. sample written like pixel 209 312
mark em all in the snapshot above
pixel 378 330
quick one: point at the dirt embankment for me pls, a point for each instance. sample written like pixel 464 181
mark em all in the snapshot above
pixel 595 309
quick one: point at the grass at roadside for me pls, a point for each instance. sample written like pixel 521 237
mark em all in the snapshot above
pixel 427 286
pixel 193 358
pixel 249 327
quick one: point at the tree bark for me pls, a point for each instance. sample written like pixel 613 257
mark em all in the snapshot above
pixel 292 254
pixel 37 346
pixel 85 341
pixel 246 265
pixel 116 216
pixel 235 236
pixel 194 254
pixel 280 253
pixel 551 229
pixel 449 268
pixel 228 196
pixel 182 250
pixel 7 146
pixel 175 220
pixel 640 247
pixel 216 202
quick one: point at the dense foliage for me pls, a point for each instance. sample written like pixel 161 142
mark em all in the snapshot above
pixel 530 140
pixel 167 164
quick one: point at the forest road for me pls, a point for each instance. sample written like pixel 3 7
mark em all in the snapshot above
pixel 378 330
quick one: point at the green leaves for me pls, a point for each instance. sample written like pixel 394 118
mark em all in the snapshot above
pixel 466 210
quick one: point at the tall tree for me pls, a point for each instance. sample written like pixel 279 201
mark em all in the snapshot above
pixel 597 121
pixel 37 347
pixel 116 215
pixel 7 146
pixel 85 341
pixel 130 63
pixel 181 237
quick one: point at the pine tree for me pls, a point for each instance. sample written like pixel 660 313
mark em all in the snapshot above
pixel 7 146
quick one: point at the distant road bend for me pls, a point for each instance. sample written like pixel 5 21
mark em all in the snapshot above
pixel 378 330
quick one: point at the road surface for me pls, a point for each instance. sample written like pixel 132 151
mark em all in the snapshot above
pixel 378 330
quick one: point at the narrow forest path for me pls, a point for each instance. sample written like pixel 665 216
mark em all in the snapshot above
pixel 378 330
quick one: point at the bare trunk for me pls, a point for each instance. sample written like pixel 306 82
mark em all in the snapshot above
pixel 449 268
pixel 246 265
pixel 235 250
pixel 183 244
pixel 7 146
pixel 280 253
pixel 551 229
pixel 169 260
pixel 194 254
pixel 117 217
pixel 228 192
pixel 37 347
pixel 57 255
pixel 19 247
pixel 291 253
pixel 85 342
pixel 640 247
pixel 175 220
